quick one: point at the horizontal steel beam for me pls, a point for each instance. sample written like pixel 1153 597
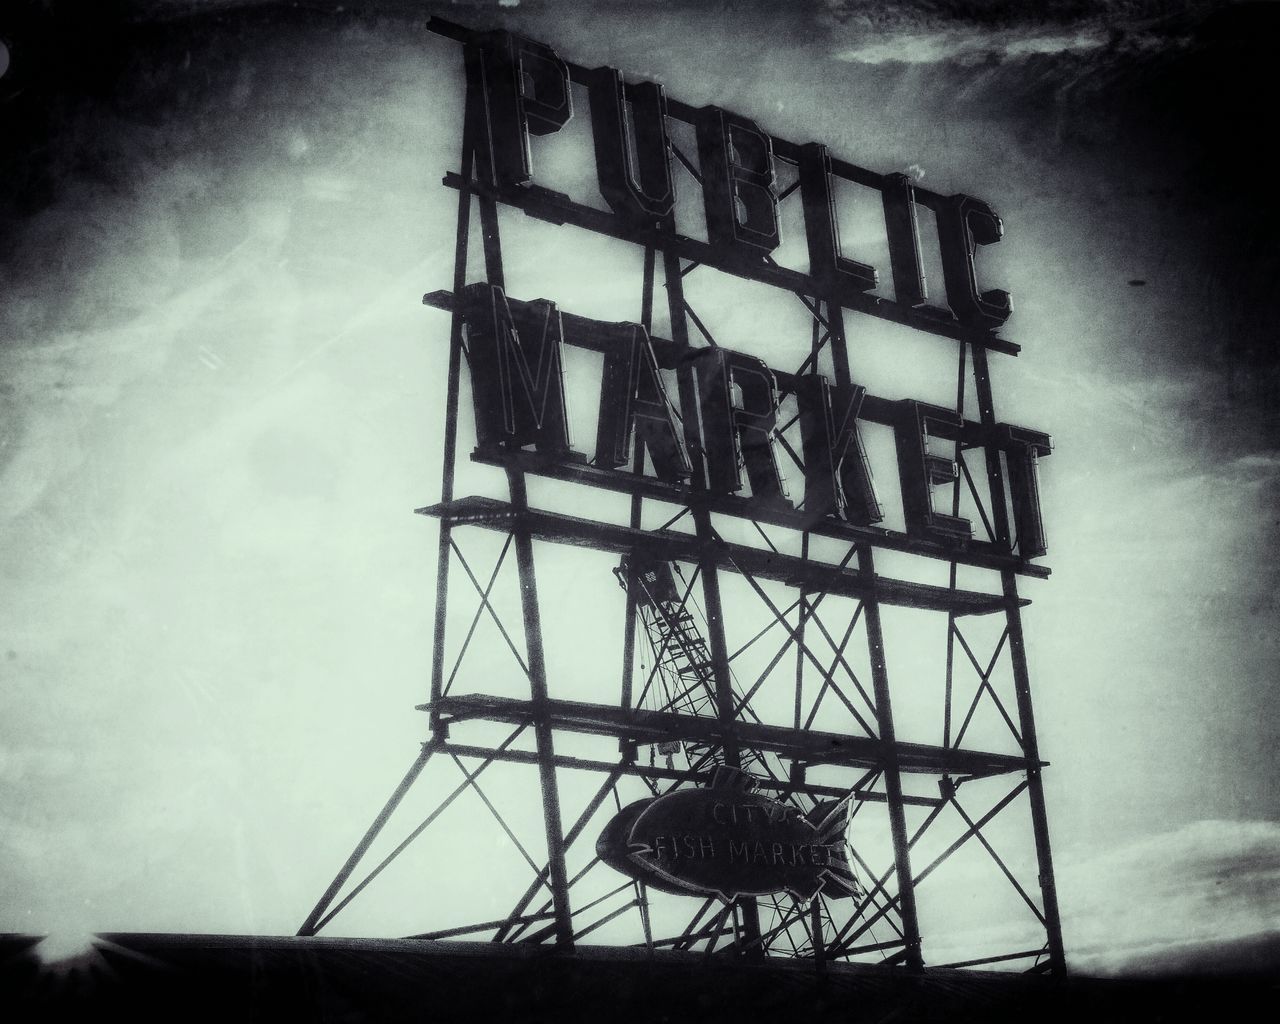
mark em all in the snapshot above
pixel 467 929
pixel 1026 954
pixel 557 208
pixel 605 337
pixel 808 746
pixel 669 545
pixel 673 774
pixel 978 554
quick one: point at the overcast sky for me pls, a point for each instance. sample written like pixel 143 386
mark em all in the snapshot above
pixel 222 400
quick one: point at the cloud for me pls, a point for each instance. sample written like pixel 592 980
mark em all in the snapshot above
pixel 936 31
pixel 1257 470
pixel 971 45
pixel 1174 900
pixel 1203 898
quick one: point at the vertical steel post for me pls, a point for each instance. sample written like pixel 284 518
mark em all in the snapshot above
pixel 470 114
pixel 629 624
pixel 541 721
pixel 884 704
pixel 1021 675
pixel 528 579
pixel 803 613
pixel 951 576
pixel 815 928
pixel 689 408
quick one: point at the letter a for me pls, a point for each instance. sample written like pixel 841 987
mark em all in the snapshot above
pixel 632 395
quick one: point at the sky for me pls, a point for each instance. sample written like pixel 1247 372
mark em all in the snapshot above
pixel 223 400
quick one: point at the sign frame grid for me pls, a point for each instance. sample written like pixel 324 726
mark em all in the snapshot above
pixel 883 757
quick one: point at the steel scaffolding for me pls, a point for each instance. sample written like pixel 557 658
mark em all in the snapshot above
pixel 706 715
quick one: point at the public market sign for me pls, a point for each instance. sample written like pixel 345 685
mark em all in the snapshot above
pixel 725 840
pixel 720 439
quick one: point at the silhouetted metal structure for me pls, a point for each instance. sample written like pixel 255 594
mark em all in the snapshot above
pixel 704 717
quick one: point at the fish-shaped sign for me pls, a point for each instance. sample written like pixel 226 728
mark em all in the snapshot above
pixel 728 841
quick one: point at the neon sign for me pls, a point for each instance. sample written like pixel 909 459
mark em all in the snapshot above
pixel 717 440
pixel 727 841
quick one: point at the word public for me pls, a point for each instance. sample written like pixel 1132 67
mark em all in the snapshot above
pixel 524 91
pixel 722 437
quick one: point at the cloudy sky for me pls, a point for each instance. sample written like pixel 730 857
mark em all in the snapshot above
pixel 222 400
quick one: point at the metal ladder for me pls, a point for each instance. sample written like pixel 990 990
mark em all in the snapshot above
pixel 683 680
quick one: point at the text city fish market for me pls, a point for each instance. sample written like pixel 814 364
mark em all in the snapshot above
pixel 687 846
pixel 702 847
pixel 731 419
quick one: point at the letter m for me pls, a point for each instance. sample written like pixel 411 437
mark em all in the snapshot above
pixel 517 375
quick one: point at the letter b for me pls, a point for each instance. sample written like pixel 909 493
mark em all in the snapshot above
pixel 736 162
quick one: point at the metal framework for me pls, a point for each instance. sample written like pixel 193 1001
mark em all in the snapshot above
pixel 694 655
